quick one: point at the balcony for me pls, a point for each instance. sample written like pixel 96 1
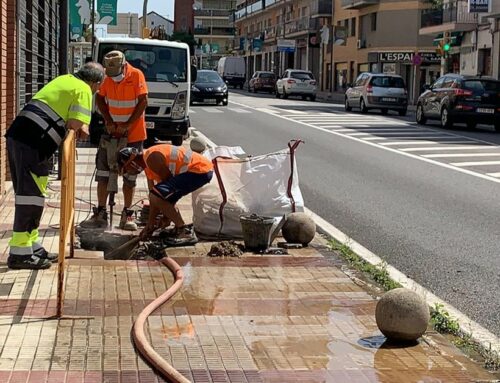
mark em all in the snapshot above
pixel 214 31
pixel 453 17
pixel 321 8
pixel 212 12
pixel 358 4
pixel 300 26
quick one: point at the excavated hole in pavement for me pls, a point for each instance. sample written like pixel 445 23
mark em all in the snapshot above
pixel 106 241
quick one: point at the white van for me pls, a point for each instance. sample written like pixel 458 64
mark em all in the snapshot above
pixel 167 69
pixel 232 70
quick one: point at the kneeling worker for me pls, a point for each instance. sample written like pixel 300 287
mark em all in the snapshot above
pixel 172 173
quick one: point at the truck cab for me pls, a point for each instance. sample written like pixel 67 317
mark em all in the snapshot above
pixel 167 70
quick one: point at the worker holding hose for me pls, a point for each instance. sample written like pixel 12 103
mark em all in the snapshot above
pixel 173 172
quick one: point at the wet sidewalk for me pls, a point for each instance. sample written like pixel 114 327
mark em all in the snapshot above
pixel 256 318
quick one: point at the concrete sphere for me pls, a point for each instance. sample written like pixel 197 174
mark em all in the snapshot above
pixel 198 145
pixel 299 228
pixel 402 314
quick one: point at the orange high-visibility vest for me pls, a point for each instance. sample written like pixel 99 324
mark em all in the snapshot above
pixel 178 160
pixel 122 99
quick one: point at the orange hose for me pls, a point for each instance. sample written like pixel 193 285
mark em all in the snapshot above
pixel 140 340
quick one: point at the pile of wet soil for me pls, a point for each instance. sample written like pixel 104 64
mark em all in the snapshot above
pixel 226 249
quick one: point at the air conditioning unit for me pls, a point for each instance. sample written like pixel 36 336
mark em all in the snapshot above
pixel 361 44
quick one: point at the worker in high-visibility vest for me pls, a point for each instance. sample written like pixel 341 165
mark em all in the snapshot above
pixel 172 173
pixel 33 137
pixel 122 100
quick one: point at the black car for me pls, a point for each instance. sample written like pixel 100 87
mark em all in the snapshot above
pixel 456 98
pixel 209 87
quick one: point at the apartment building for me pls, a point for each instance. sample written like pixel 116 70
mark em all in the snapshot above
pixel 383 37
pixel 279 34
pixel 29 58
pixel 475 34
pixel 127 24
pixel 213 30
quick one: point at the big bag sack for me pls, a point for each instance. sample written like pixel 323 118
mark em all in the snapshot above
pixel 267 185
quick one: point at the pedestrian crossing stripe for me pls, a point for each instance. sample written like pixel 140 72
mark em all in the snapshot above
pixel 440 148
pixel 452 155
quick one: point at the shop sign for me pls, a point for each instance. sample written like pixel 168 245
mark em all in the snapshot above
pixel 257 45
pixel 408 57
pixel 480 6
pixel 286 45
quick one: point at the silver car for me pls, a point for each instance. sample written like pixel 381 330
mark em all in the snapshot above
pixel 295 82
pixel 377 91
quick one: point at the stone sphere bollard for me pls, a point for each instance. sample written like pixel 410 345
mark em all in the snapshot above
pixel 198 145
pixel 402 314
pixel 299 228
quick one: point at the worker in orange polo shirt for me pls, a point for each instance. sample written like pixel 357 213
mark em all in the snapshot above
pixel 122 100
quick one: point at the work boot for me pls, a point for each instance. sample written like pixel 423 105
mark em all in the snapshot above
pixel 42 253
pixel 127 221
pixel 99 220
pixel 30 262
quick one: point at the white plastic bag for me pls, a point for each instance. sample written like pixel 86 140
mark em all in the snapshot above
pixel 266 185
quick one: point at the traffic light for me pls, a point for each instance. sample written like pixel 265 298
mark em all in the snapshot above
pixel 446 42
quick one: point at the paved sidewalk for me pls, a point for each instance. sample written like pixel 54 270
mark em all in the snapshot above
pixel 282 318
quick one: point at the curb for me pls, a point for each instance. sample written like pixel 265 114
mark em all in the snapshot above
pixel 474 330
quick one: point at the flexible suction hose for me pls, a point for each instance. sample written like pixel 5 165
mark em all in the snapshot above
pixel 140 340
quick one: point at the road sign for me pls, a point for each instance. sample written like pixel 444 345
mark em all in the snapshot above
pixel 286 45
pixel 480 6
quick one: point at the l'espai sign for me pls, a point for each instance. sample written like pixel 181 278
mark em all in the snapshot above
pixel 407 57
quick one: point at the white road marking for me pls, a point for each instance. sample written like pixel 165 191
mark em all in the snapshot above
pixel 402 136
pixel 494 174
pixel 239 110
pixel 475 163
pixel 396 151
pixel 191 111
pixel 436 148
pixel 293 111
pixel 450 155
pixel 397 143
pixel 264 110
pixel 212 110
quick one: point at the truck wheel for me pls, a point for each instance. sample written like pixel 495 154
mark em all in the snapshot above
pixel 177 140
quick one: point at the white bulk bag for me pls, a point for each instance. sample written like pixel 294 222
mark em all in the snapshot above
pixel 267 185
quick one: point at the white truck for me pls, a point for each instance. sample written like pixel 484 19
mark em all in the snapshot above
pixel 232 70
pixel 167 68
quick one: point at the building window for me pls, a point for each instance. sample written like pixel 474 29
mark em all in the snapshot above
pixel 353 27
pixel 374 21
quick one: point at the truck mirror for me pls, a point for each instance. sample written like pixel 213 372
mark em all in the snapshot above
pixel 194 73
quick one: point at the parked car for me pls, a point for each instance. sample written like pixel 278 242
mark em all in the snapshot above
pixel 465 99
pixel 209 87
pixel 377 91
pixel 232 70
pixel 265 81
pixel 296 82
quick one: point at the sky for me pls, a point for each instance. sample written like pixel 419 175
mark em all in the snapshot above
pixel 162 7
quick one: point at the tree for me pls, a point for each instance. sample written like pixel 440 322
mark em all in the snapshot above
pixel 185 38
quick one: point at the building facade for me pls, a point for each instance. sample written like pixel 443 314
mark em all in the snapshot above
pixel 213 31
pixel 475 48
pixel 155 20
pixel 29 58
pixel 127 24
pixel 184 16
pixel 279 34
pixel 382 36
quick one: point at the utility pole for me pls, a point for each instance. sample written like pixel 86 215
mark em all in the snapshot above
pixel 93 26
pixel 145 31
